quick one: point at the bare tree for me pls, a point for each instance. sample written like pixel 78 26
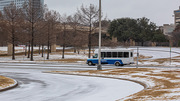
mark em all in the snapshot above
pixel 89 15
pixel 80 40
pixel 11 14
pixel 25 36
pixel 51 18
pixel 105 23
pixel 64 22
pixel 3 37
pixel 74 22
pixel 32 15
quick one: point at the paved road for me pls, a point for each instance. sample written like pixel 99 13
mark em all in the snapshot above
pixel 37 86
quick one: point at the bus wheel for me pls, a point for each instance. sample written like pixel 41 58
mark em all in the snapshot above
pixel 117 64
pixel 90 63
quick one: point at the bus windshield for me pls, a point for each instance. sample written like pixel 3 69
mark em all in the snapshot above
pixel 95 56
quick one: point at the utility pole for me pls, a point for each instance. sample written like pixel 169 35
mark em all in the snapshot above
pixel 170 45
pixel 170 54
pixel 99 67
pixel 137 57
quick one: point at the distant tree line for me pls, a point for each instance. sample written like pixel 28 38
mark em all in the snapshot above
pixel 32 26
pixel 139 30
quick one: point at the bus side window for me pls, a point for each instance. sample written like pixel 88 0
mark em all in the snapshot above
pixel 109 54
pixel 103 54
pixel 126 54
pixel 120 54
pixel 131 54
pixel 114 54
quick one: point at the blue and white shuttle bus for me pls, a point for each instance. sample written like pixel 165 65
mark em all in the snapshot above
pixel 113 56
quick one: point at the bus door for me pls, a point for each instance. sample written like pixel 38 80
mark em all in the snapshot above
pixel 131 57
pixel 126 57
pixel 103 56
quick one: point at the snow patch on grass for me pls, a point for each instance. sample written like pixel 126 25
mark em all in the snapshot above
pixel 159 81
pixel 6 82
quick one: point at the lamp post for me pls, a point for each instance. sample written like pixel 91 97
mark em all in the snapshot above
pixel 99 53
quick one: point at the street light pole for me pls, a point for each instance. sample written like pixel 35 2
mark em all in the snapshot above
pixel 99 53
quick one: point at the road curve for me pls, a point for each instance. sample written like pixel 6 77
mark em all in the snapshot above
pixel 37 86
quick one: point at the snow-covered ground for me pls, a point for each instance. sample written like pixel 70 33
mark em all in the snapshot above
pixel 38 57
pixel 158 52
pixel 17 49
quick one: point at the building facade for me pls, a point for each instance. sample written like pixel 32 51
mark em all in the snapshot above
pixel 168 29
pixel 177 16
pixel 19 3
pixel 4 3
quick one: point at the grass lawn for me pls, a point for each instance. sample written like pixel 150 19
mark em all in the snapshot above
pixel 5 82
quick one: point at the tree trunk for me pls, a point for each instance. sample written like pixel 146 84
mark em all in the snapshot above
pixel 89 44
pixel 63 51
pixel 25 50
pixel 48 52
pixel 74 50
pixel 50 48
pixel 29 47
pixel 39 49
pixel 13 52
pixel 74 35
pixel 42 50
pixel 48 43
pixel 142 43
pixel 13 39
pixel 64 41
pixel 32 42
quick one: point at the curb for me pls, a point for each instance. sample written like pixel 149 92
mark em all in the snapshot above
pixel 10 87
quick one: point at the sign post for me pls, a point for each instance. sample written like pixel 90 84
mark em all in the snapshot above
pixel 137 57
pixel 170 54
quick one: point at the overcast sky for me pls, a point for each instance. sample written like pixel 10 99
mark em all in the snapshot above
pixel 158 11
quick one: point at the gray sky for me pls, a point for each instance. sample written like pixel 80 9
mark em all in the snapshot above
pixel 158 11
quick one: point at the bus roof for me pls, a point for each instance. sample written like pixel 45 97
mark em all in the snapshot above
pixel 114 50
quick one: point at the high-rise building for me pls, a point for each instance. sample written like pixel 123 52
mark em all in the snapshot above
pixel 4 3
pixel 19 3
pixel 37 3
pixel 177 16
